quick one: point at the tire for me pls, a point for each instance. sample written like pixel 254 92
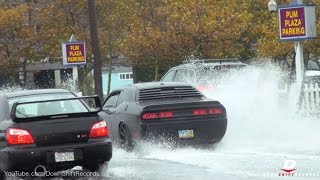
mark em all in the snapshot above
pixel 125 137
pixel 92 168
pixel 99 169
pixel 2 176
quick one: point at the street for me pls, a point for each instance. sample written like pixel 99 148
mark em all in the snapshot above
pixel 261 136
pixel 82 82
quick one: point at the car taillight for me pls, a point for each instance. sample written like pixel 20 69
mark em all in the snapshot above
pixel 199 112
pixel 99 129
pixel 165 114
pixel 205 88
pixel 215 111
pixel 202 112
pixel 148 116
pixel 18 136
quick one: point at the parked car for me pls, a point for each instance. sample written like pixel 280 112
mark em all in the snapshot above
pixel 163 110
pixel 312 74
pixel 51 129
pixel 206 75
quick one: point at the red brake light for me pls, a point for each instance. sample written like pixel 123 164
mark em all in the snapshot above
pixel 205 88
pixel 199 112
pixel 215 111
pixel 165 114
pixel 202 88
pixel 18 136
pixel 147 116
pixel 99 129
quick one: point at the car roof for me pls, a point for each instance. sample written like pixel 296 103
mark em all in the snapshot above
pixel 33 92
pixel 149 85
pixel 210 63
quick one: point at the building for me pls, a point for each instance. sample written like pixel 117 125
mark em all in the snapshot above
pixel 120 76
pixel 56 75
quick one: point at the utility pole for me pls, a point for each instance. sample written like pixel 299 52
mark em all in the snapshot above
pixel 95 48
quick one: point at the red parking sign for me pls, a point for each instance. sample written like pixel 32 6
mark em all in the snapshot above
pixel 297 22
pixel 74 53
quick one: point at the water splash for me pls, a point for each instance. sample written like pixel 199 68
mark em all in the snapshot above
pixel 263 131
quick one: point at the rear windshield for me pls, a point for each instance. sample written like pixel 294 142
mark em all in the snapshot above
pixel 47 108
pixel 217 74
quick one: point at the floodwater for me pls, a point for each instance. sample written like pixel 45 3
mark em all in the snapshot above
pixel 263 133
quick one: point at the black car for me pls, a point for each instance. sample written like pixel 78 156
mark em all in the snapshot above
pixel 160 110
pixel 51 129
pixel 205 74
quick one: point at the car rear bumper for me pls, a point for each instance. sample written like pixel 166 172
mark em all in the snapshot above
pixel 13 158
pixel 205 131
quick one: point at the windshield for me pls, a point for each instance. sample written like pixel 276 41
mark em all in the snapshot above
pixel 314 65
pixel 47 108
pixel 218 74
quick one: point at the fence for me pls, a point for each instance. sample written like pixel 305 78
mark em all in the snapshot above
pixel 310 102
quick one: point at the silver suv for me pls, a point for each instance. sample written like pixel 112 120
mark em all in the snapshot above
pixel 200 72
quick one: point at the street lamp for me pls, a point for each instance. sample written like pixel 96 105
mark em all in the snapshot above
pixel 272 6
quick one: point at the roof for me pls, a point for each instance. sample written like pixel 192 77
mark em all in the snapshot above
pixel 149 85
pixel 210 62
pixel 45 65
pixel 33 92
pixel 118 69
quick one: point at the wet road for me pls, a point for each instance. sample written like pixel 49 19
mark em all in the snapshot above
pixel 262 134
pixel 244 156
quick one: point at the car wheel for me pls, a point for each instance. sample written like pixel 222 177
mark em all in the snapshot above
pixel 92 168
pixel 125 137
pixel 100 169
pixel 2 175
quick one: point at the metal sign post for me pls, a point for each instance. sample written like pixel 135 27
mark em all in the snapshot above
pixel 74 54
pixel 297 23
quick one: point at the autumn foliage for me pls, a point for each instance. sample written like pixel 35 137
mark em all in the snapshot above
pixel 151 33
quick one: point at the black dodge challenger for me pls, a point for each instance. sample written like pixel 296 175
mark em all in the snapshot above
pixel 53 130
pixel 163 110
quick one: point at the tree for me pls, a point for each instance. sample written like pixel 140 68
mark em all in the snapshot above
pixel 17 40
pixel 165 32
pixel 114 15
pixel 58 20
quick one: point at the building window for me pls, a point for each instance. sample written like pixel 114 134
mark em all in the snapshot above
pixel 125 76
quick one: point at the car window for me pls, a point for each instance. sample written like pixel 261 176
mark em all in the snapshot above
pixel 313 65
pixel 181 75
pixel 47 108
pixel 112 100
pixel 121 97
pixel 169 76
pixel 218 74
pixel 191 77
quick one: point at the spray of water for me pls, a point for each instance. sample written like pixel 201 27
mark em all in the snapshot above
pixel 263 117
pixel 261 125
pixel 263 130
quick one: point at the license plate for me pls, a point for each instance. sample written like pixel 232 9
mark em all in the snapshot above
pixel 64 156
pixel 186 133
